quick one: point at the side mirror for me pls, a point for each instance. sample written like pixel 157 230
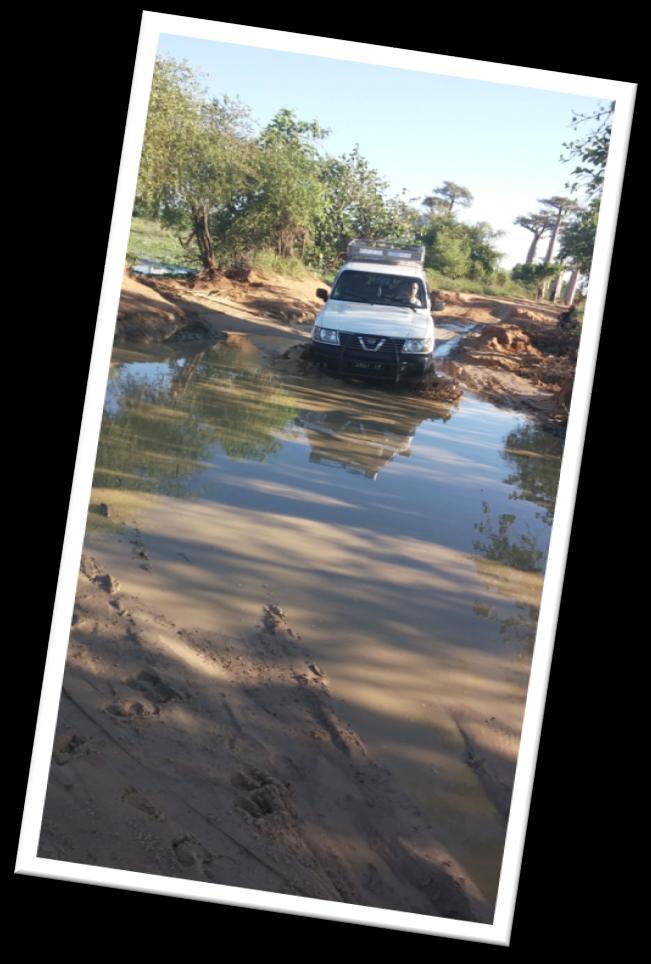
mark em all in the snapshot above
pixel 437 302
pixel 322 294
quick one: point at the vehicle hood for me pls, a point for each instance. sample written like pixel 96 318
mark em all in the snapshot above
pixel 393 321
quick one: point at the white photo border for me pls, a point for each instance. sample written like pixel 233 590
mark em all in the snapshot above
pixel 153 25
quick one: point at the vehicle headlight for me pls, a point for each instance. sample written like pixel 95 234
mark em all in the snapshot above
pixel 418 345
pixel 329 335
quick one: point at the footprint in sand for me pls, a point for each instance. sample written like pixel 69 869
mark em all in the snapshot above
pixel 135 799
pixel 189 852
pixel 263 796
pixel 128 709
pixel 66 747
pixel 153 687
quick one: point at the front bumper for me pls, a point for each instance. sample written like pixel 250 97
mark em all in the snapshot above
pixel 391 364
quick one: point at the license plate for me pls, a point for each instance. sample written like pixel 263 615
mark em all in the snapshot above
pixel 372 366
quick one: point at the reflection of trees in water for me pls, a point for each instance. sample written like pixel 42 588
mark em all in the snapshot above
pixel 159 428
pixel 518 630
pixel 498 545
pixel 535 456
pixel 245 404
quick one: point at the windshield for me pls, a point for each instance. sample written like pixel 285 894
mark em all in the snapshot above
pixel 379 289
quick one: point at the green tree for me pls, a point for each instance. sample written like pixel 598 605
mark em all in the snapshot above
pixel 484 258
pixel 460 250
pixel 447 247
pixel 404 222
pixel 170 131
pixel 577 237
pixel 590 152
pixel 577 240
pixel 534 275
pixel 197 157
pixel 354 205
pixel 283 210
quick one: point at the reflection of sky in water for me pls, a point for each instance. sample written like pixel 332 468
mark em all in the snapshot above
pixel 435 492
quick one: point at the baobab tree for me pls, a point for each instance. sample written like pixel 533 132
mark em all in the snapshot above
pixel 538 224
pixel 562 206
pixel 451 194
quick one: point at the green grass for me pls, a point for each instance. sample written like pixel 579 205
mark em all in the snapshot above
pixel 267 261
pixel 149 239
pixel 508 289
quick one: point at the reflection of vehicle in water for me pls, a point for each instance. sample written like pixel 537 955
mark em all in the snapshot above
pixel 362 447
pixel 368 434
pixel 377 320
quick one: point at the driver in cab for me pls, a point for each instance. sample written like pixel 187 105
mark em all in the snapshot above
pixel 408 293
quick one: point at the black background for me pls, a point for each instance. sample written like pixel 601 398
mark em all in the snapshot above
pixel 81 65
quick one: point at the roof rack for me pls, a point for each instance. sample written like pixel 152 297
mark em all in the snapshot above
pixel 385 252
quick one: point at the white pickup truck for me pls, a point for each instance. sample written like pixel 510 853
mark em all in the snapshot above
pixel 377 320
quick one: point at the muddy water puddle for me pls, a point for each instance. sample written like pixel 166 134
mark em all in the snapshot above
pixel 448 336
pixel 406 541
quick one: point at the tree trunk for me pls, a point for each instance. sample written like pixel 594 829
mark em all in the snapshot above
pixel 531 254
pixel 552 240
pixel 558 293
pixel 556 286
pixel 572 285
pixel 204 240
pixel 182 377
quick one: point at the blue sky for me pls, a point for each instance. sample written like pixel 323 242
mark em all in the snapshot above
pixel 417 130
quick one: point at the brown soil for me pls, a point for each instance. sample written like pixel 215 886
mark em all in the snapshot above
pixel 146 315
pixel 516 355
pixel 219 759
pixel 277 298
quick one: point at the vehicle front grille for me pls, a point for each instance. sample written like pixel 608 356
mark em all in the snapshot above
pixel 357 356
pixel 353 350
